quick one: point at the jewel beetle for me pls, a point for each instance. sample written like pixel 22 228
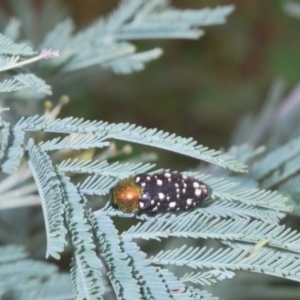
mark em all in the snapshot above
pixel 147 193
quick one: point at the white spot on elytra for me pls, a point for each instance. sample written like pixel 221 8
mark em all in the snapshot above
pixel 154 208
pixel 141 204
pixel 169 179
pixel 176 185
pixel 178 208
pixel 194 204
pixel 144 196
pixel 186 207
pixel 161 196
pixel 177 190
pixel 148 178
pixel 138 179
pixel 177 196
pixel 158 203
pixel 172 204
pixel 189 201
pixel 185 185
pixel 152 202
pixel 143 184
pixel 159 182
pixel 168 198
pixel 197 192
pixel 167 175
pixel 184 176
pixel 183 191
pixel 196 185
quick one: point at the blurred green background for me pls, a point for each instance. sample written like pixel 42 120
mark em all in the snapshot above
pixel 202 87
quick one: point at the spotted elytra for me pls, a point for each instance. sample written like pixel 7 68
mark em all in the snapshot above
pixel 159 192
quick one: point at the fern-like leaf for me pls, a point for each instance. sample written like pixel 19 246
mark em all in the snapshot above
pixel 104 168
pixel 90 56
pixel 131 133
pixel 10 85
pixel 97 185
pixel 290 168
pixel 148 276
pixel 119 269
pixel 7 46
pixel 193 225
pixel 49 188
pixel 56 287
pixel 86 276
pixel 34 82
pixel 234 210
pixel 74 141
pixel 226 190
pixel 207 278
pixel 11 253
pixel 275 159
pixel 13 142
pixel 23 278
pixel 171 23
pixel 268 262
pixel 134 62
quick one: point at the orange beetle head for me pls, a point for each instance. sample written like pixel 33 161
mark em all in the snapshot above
pixel 126 194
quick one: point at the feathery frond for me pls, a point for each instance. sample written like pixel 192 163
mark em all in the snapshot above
pixel 11 253
pixel 88 56
pixel 193 225
pixel 207 278
pixel 8 62
pixel 7 46
pixel 201 295
pixel 34 82
pixel 234 210
pixel 163 285
pixel 105 42
pixel 13 149
pixel 59 38
pixel 134 62
pixel 29 279
pixel 74 141
pixel 119 269
pixel 58 286
pixel 268 262
pixel 5 130
pixel 224 190
pixel 137 134
pixel 104 168
pixel 153 22
pixel 290 168
pixel 86 276
pixel 275 159
pixel 142 280
pixel 49 187
pixel 10 85
pixel 97 185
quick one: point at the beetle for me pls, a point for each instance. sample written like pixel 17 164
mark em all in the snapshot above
pixel 146 193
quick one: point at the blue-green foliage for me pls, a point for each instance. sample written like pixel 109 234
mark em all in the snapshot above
pixel 50 190
pixel 105 42
pixel 235 213
pixel 23 278
pixel 241 214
